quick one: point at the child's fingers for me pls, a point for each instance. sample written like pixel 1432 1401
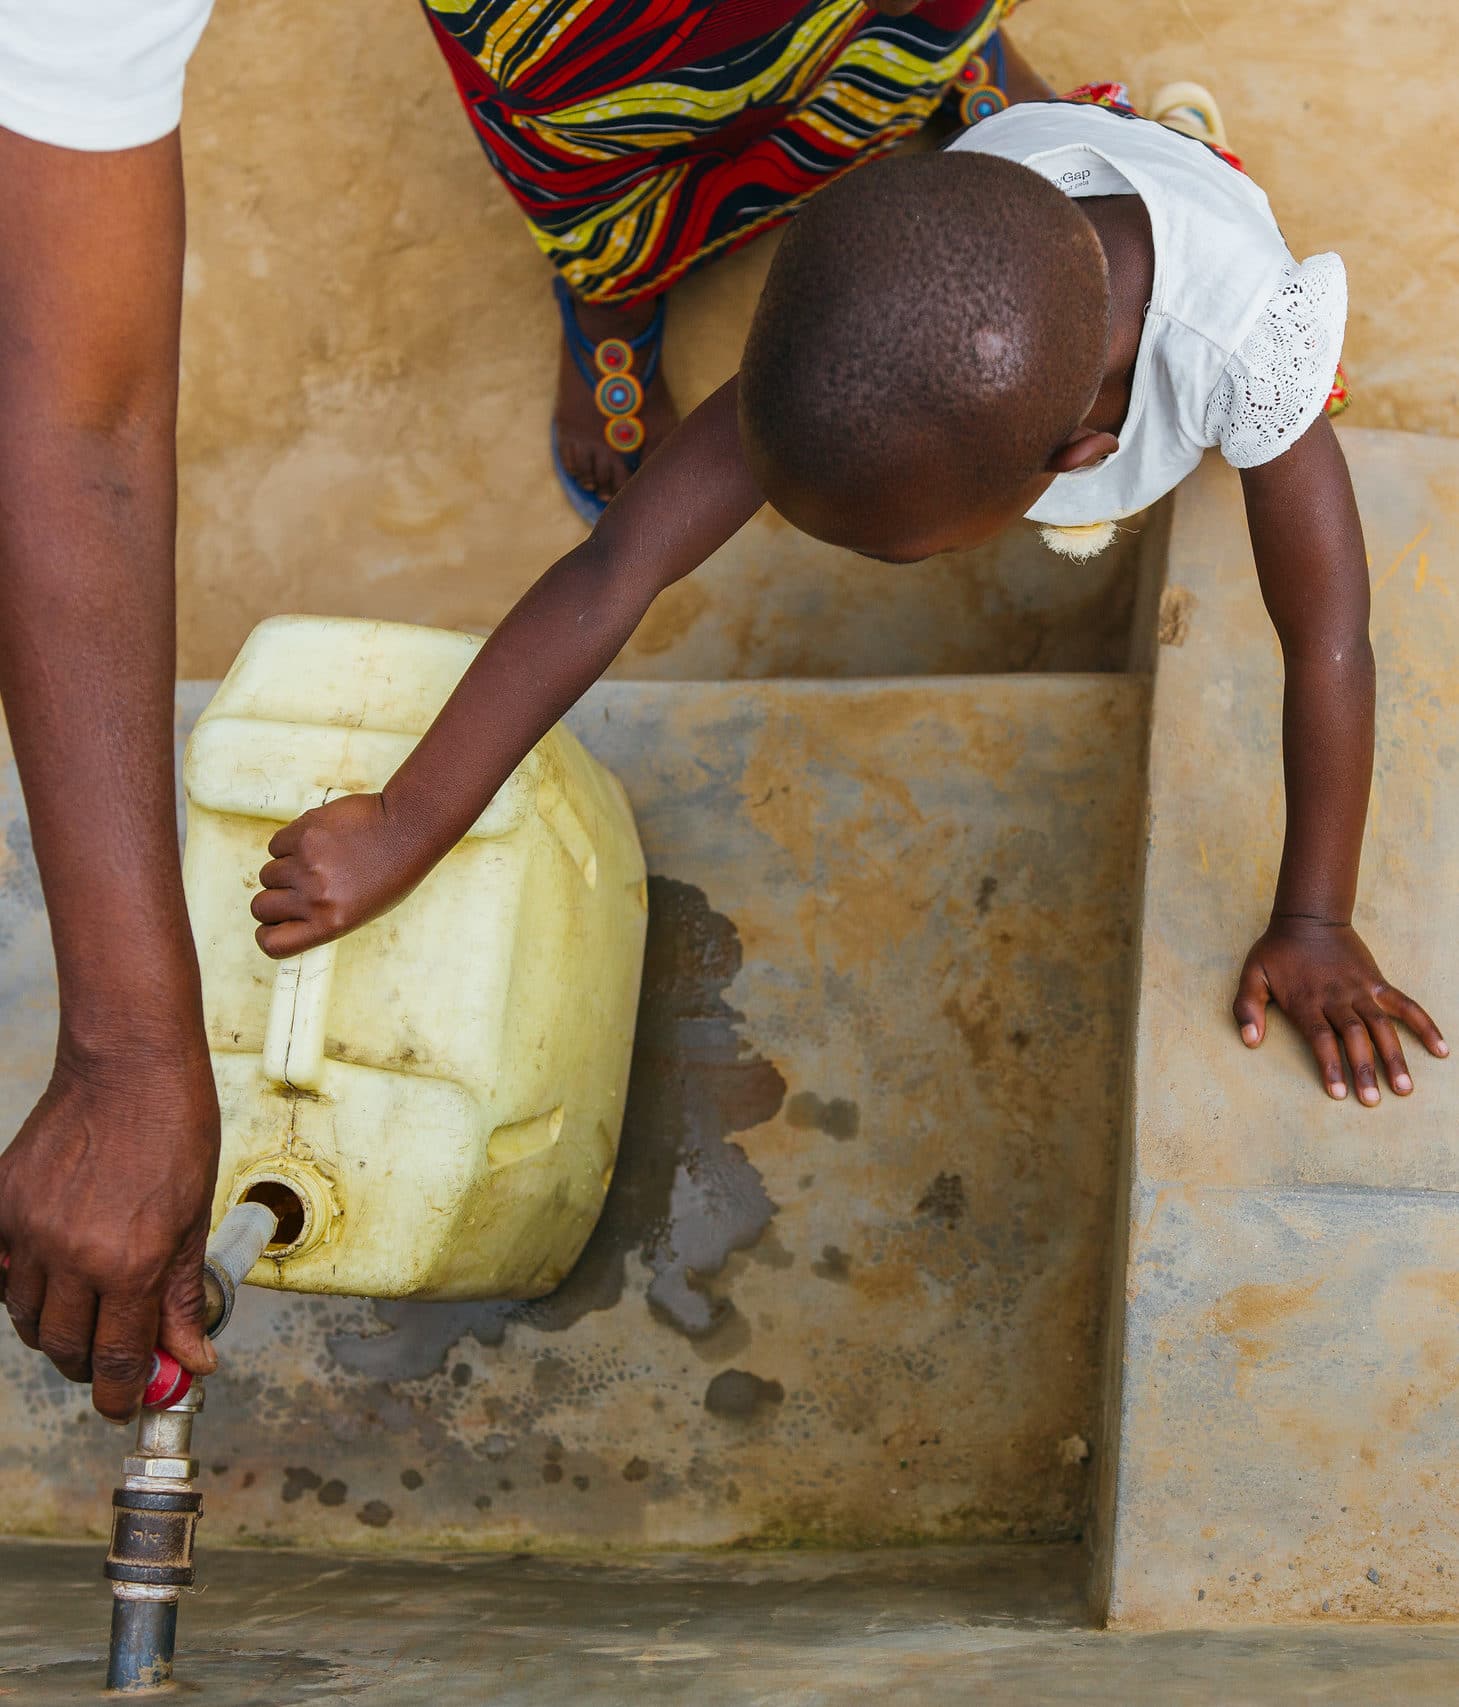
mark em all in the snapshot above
pixel 1390 1051
pixel 1413 1016
pixel 1329 1056
pixel 293 936
pixel 286 841
pixel 280 873
pixel 1250 1005
pixel 1359 1047
pixel 273 906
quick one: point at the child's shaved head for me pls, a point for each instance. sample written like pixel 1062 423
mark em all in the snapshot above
pixel 933 328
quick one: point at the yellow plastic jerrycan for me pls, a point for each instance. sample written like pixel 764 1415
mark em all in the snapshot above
pixel 431 1105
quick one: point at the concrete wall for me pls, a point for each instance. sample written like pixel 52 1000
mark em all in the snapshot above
pixel 1287 1407
pixel 370 345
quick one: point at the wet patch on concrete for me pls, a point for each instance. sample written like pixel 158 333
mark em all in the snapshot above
pixel 683 1197
pixel 739 1394
pixel 273 1677
pixel 838 1118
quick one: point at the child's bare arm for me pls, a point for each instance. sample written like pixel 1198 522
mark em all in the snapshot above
pixel 349 861
pixel 1308 543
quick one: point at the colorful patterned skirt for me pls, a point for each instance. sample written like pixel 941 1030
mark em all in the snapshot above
pixel 644 137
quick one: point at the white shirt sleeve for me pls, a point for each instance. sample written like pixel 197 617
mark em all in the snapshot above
pixel 96 74
pixel 1275 385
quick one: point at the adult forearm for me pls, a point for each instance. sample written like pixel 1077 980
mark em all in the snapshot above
pixel 1327 742
pixel 87 649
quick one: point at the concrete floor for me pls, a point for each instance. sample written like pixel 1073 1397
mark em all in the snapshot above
pixel 1001 1625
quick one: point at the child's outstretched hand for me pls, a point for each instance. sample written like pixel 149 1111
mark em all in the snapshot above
pixel 1328 984
pixel 334 868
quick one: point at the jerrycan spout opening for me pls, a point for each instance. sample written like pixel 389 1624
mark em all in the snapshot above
pixel 299 1199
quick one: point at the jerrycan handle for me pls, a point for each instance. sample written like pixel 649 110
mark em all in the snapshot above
pixel 293 1040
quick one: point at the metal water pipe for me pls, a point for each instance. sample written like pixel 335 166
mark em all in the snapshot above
pixel 155 1511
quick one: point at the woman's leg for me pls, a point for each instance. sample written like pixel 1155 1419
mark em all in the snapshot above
pixel 582 442
pixel 742 112
pixel 1021 81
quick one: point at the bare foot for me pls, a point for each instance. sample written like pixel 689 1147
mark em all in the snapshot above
pixel 584 451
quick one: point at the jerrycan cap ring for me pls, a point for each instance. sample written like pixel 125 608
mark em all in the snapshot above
pixel 298 1195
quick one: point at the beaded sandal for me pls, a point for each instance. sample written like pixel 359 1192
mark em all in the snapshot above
pixel 619 371
pixel 980 89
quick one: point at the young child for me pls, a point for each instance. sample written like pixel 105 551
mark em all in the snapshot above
pixel 1054 318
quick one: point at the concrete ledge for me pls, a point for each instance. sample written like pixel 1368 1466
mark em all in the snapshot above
pixel 1286 1408
pixel 848 1287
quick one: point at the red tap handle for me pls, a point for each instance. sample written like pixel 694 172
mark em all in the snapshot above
pixel 167 1381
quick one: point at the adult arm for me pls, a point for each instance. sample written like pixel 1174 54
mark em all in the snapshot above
pixel 1308 543
pixel 344 863
pixel 105 1191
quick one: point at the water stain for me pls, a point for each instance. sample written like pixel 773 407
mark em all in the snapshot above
pixel 683 1198
pixel 838 1118
pixel 738 1394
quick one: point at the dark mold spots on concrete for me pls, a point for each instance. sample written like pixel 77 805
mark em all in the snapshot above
pixel 20 883
pixel 838 1118
pixel 944 1200
pixel 461 1375
pixel 483 1502
pixel 683 1198
pixel 736 1393
pixel 551 1375
pixel 375 1515
pixel 834 1264
pixel 551 1473
pixel 19 879
pixel 987 889
pixel 298 1482
pixel 333 1493
pixel 410 1480
pixel 636 1470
